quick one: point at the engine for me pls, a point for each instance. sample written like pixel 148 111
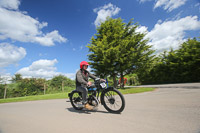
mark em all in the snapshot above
pixel 93 101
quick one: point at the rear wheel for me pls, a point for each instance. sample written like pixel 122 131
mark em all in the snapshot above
pixel 76 100
pixel 113 101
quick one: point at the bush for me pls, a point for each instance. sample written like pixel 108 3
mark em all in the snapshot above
pixel 33 86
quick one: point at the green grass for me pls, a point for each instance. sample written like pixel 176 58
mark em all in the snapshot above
pixel 135 90
pixel 65 95
pixel 37 97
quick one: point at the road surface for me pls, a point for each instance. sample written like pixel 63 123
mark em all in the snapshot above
pixel 180 85
pixel 165 110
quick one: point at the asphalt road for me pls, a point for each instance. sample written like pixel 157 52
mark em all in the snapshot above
pixel 165 110
pixel 181 85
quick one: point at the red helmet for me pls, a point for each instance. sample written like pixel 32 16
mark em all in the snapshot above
pixel 83 63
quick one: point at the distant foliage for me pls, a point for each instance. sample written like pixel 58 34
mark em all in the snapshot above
pixel 2 90
pixel 56 84
pixel 35 86
pixel 17 77
pixel 132 79
pixel 176 66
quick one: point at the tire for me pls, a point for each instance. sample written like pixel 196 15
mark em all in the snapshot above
pixel 113 101
pixel 76 100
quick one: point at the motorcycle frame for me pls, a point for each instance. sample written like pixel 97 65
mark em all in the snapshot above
pixel 98 91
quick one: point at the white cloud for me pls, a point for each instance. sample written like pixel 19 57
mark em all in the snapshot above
pixel 169 34
pixel 43 69
pixel 105 11
pixel 10 4
pixel 142 1
pixel 70 75
pixel 19 26
pixel 142 29
pixel 78 49
pixel 5 78
pixel 81 47
pixel 168 5
pixel 197 6
pixel 50 38
pixel 44 64
pixel 10 54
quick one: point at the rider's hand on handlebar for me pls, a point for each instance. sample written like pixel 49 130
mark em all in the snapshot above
pixel 103 80
pixel 89 83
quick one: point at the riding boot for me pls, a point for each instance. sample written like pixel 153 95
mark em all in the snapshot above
pixel 89 107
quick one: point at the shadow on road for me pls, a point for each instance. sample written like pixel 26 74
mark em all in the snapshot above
pixel 84 111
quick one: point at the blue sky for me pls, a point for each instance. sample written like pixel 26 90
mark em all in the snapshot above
pixel 45 38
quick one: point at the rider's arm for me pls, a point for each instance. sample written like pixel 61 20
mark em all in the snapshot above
pixel 92 76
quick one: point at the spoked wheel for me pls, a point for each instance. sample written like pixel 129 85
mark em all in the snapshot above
pixel 113 101
pixel 76 100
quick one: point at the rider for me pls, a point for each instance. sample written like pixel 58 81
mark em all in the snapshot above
pixel 82 82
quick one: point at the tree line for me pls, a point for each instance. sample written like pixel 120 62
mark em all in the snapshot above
pixel 118 50
pixel 35 86
pixel 176 66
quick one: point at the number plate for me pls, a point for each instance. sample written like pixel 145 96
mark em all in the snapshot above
pixel 103 85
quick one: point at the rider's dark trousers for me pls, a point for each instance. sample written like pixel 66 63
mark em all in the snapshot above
pixel 84 92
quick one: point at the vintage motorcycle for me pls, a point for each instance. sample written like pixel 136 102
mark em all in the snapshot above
pixel 110 98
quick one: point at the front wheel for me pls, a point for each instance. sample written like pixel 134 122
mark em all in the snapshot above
pixel 113 101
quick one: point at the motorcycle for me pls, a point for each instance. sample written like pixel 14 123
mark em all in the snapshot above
pixel 112 99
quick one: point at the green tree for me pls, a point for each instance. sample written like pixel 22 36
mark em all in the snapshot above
pixel 117 49
pixel 29 86
pixel 18 77
pixel 2 87
pixel 60 81
pixel 177 66
pixel 189 60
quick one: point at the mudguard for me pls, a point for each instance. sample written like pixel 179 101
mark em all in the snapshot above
pixel 69 94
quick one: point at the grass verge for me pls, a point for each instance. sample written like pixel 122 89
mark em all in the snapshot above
pixel 135 90
pixel 65 95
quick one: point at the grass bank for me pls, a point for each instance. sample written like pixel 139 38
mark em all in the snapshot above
pixel 135 90
pixel 65 95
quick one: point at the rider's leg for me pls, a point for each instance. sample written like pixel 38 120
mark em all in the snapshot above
pixel 84 92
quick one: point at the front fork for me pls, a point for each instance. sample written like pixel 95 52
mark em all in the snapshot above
pixel 103 93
